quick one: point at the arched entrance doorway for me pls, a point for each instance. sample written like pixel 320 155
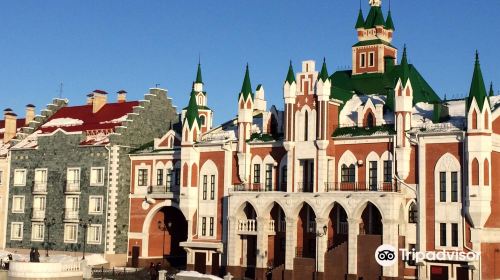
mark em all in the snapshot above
pixel 167 229
pixel 336 255
pixel 369 239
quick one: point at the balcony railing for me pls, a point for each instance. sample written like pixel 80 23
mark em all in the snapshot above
pixel 306 187
pixel 73 186
pixel 37 214
pixel 163 189
pixel 361 186
pixel 253 187
pixel 248 225
pixel 71 214
pixel 40 186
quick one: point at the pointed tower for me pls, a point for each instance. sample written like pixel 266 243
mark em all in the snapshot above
pixel 289 94
pixel 191 121
pixel 479 148
pixel 205 113
pixel 245 120
pixel 373 49
pixel 323 88
pixel 403 104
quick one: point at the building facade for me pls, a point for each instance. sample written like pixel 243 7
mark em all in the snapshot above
pixel 357 159
pixel 69 178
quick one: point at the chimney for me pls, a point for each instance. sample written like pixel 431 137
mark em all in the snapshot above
pixel 90 98
pixel 99 100
pixel 30 113
pixel 122 96
pixel 10 125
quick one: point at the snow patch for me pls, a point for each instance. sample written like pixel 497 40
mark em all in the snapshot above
pixel 30 142
pixel 117 120
pixel 349 114
pixel 195 274
pixel 92 259
pixel 63 122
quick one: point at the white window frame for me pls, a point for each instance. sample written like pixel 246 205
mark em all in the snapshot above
pixel 21 210
pixel 72 169
pixel 66 240
pixel 41 170
pixel 369 55
pixel 12 224
pixel 94 197
pixel 33 237
pixel 42 198
pixel 99 237
pixel 20 184
pixel 94 183
pixel 362 60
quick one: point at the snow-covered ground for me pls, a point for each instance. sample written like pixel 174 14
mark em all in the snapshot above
pixel 195 274
pixel 92 259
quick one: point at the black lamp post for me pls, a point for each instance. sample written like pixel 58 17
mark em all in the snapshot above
pixel 85 226
pixel 319 234
pixel 164 228
pixel 48 224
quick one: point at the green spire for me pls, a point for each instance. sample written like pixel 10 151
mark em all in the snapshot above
pixel 246 88
pixel 199 80
pixel 477 88
pixel 192 111
pixel 389 24
pixel 375 18
pixel 360 23
pixel 492 93
pixel 290 77
pixel 405 68
pixel 323 75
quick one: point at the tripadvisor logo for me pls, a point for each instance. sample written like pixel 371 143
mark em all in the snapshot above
pixel 386 255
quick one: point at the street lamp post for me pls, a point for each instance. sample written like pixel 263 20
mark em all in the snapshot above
pixel 85 226
pixel 163 227
pixel 319 234
pixel 48 224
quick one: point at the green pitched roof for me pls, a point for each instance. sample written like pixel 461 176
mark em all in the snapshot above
pixel 290 76
pixel 372 42
pixel 375 18
pixel 477 88
pixel 199 80
pixel 246 88
pixel 360 23
pixel 389 24
pixel 192 111
pixel 405 68
pixel 492 93
pixel 323 74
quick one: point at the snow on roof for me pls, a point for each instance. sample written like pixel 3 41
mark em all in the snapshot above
pixel 63 122
pixel 349 114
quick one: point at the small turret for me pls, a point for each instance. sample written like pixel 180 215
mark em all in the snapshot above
pixel 191 122
pixel 245 120
pixel 389 24
pixel 360 23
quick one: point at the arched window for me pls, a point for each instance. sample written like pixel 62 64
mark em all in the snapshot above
pixel 474 120
pixel 475 172
pixel 202 119
pixel 486 172
pixel 348 173
pixel 413 213
pixel 306 126
pixel 369 120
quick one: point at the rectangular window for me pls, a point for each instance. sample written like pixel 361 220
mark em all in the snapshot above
pixel 203 226
pixel 372 173
pixel 39 202
pixel 371 61
pixel 95 204
pixel 97 176
pixel 169 180
pixel 284 181
pixel 362 60
pixel 37 231
pixel 18 204
pixel 177 176
pixel 442 234
pixel 454 235
pixel 16 231
pixel 72 208
pixel 159 177
pixel 211 226
pixel 73 176
pixel 40 177
pixel 20 177
pixel 256 173
pixel 94 233
pixel 142 177
pixel 269 177
pixel 387 171
pixel 205 185
pixel 442 186
pixel 212 187
pixel 454 186
pixel 348 173
pixel 70 233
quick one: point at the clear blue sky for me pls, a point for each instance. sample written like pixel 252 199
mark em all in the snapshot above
pixel 133 45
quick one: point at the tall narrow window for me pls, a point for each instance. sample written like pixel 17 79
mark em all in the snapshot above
pixel 205 183
pixel 348 173
pixel 362 59
pixel 413 213
pixel 212 187
pixel 169 180
pixel 284 171
pixel 159 177
pixel 371 61
pixel 372 173
pixel 442 186
pixel 204 226
pixel 269 177
pixel 454 186
pixel 454 235
pixel 442 234
pixel 369 120
pixel 387 171
pixel 177 173
pixel 306 126
pixel 256 173
pixel 142 177
pixel 211 226
pixel 97 176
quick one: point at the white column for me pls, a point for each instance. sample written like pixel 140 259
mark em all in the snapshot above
pixel 291 241
pixel 322 164
pixel 232 242
pixel 262 241
pixel 321 243
pixel 352 266
pixel 390 237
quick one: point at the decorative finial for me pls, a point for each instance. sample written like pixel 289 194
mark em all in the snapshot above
pixel 477 56
pixel 375 3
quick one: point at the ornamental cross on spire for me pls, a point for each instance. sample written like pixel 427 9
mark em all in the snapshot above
pixel 375 3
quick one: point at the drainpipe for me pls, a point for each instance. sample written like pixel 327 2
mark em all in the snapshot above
pixel 107 199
